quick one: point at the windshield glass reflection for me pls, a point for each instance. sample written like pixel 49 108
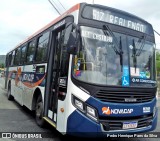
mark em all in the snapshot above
pixel 142 61
pixel 97 61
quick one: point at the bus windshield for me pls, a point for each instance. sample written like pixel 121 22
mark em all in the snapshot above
pixel 99 61
pixel 142 60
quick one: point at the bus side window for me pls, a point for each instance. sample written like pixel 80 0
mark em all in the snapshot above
pixel 40 69
pixel 31 51
pixel 23 54
pixel 13 56
pixel 64 58
pixel 41 51
pixel 10 59
pixel 7 60
pixel 17 57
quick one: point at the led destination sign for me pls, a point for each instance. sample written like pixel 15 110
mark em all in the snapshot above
pixel 116 17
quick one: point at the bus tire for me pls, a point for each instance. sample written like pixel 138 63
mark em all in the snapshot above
pixel 39 112
pixel 9 96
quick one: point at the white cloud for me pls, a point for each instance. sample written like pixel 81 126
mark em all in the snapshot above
pixel 19 19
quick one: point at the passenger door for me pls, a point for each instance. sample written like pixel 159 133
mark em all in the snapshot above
pixel 57 74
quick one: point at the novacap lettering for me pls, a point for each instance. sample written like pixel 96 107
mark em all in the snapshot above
pixel 121 111
pixel 28 77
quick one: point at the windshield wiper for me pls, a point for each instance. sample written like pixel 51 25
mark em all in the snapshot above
pixel 134 51
pixel 117 48
pixel 105 27
pixel 121 53
pixel 143 39
pixel 134 55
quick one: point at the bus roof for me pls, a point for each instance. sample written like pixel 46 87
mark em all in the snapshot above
pixel 72 9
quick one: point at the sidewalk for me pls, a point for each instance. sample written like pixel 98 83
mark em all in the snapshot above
pixel 1 86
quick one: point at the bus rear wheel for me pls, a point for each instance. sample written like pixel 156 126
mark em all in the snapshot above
pixel 9 96
pixel 39 112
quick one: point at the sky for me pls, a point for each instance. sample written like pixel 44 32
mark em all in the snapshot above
pixel 21 18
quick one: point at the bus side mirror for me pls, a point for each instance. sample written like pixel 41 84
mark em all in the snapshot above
pixel 72 44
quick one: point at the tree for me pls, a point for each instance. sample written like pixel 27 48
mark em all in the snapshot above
pixel 158 63
pixel 2 65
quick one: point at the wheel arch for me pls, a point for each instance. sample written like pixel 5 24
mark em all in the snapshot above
pixel 36 94
pixel 9 82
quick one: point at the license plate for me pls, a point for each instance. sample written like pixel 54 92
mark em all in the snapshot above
pixel 130 125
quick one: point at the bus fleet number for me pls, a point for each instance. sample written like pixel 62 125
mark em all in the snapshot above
pixel 98 15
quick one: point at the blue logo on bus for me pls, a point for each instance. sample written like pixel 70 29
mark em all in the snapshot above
pixel 125 77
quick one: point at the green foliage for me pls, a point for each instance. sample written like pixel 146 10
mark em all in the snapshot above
pixel 158 63
pixel 2 65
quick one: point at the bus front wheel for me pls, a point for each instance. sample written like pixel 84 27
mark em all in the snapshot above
pixel 39 112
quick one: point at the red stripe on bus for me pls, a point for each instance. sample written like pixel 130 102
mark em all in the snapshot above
pixel 32 85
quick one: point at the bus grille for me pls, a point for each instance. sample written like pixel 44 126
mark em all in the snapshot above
pixel 124 97
pixel 114 124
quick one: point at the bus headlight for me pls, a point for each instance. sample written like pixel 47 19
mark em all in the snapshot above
pixel 79 104
pixel 85 108
pixel 91 112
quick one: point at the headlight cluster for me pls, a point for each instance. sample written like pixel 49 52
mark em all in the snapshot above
pixel 85 108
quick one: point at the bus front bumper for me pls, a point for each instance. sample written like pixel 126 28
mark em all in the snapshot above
pixel 80 125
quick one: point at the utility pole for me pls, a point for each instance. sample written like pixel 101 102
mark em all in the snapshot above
pixel 54 7
pixel 156 32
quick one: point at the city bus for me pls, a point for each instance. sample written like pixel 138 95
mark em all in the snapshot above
pixel 91 71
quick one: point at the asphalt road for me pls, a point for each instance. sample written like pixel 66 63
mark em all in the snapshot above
pixel 14 118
